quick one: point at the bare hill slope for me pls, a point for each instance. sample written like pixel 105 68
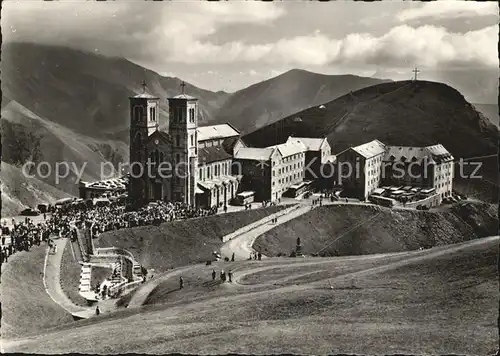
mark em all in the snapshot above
pixel 344 230
pixel 402 114
pixel 263 103
pixel 85 92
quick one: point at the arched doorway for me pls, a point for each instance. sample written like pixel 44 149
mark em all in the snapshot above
pixel 157 191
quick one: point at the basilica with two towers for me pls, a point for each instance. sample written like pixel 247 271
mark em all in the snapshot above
pixel 189 163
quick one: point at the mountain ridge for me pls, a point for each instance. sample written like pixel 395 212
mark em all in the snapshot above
pixel 265 102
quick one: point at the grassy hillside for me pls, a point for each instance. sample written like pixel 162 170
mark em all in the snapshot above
pixel 263 103
pixel 63 105
pixel 183 242
pixel 26 306
pixel 341 230
pixel 490 111
pixel 19 191
pixel 29 137
pixel 85 92
pixel 401 114
pixel 415 305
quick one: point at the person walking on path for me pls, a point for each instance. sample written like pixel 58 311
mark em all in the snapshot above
pixel 181 282
pixel 225 208
pixel 259 256
pixel 97 311
pixel 232 257
pixel 230 276
pixel 213 275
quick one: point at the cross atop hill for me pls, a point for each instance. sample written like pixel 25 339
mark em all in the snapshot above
pixel 183 85
pixel 416 71
pixel 144 85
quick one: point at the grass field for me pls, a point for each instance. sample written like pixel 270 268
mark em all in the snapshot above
pixel 70 276
pixel 26 306
pixel 183 242
pixel 439 301
pixel 340 230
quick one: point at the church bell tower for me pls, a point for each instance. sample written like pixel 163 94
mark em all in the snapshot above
pixel 144 114
pixel 183 125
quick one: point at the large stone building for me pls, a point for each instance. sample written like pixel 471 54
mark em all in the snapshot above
pixel 204 166
pixel 317 154
pixel 366 167
pixel 188 164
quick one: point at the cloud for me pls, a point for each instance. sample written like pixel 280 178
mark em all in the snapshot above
pixel 427 46
pixel 122 28
pixel 449 9
pixel 166 33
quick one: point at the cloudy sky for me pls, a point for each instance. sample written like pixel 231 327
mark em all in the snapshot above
pixel 230 45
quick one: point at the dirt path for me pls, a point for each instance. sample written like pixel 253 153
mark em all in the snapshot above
pixel 143 291
pixel 241 245
pixel 418 257
pixel 413 257
pixel 51 280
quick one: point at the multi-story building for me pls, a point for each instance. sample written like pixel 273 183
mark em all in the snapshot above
pixel 204 165
pixel 255 165
pixel 364 168
pixel 318 152
pixel 217 185
pixel 359 168
pixel 288 167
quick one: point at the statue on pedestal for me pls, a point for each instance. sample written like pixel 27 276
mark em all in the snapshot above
pixel 298 248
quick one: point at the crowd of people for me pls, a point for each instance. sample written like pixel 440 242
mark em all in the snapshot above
pixel 25 234
pixel 66 218
pixel 116 217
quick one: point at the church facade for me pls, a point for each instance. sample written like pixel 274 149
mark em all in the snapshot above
pixel 203 166
pixel 188 164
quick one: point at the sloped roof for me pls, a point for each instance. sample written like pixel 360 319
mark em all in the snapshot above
pixel 438 150
pixel 212 154
pixel 184 96
pixel 291 147
pixel 436 153
pixel 408 154
pixel 108 184
pixel 161 135
pixel 252 153
pixel 370 149
pixel 216 131
pixel 229 144
pixel 312 144
pixel 146 96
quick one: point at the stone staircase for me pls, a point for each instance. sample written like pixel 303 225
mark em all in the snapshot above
pixel 85 288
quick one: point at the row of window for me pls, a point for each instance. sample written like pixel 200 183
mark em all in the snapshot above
pixel 214 170
pixel 375 160
pixel 289 158
pixel 442 185
pixel 229 192
pixel 290 178
pixel 138 113
pixel 288 168
pixel 211 143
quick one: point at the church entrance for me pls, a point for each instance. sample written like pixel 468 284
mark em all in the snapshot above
pixel 157 191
